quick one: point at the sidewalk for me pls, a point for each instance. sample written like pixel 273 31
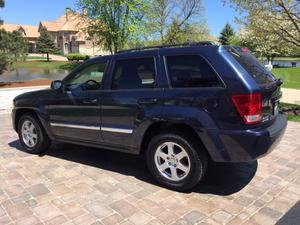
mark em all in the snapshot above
pixel 290 96
pixel 8 94
pixel 52 57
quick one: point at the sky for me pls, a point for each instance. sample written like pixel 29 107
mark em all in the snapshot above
pixel 30 12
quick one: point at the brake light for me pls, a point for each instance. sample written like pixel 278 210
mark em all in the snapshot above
pixel 249 106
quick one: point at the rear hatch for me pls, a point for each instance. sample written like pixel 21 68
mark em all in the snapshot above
pixel 269 85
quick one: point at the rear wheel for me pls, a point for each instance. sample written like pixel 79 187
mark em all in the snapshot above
pixel 176 161
pixel 31 134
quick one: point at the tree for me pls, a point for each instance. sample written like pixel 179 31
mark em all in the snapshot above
pixel 3 58
pixel 18 46
pixel 226 34
pixel 4 51
pixel 168 18
pixel 276 17
pixel 2 4
pixel 12 48
pixel 46 44
pixel 112 23
pixel 263 46
pixel 187 33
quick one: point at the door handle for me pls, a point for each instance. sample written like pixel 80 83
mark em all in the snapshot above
pixel 147 101
pixel 90 101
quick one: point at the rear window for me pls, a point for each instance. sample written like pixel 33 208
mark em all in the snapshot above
pixel 259 73
pixel 191 71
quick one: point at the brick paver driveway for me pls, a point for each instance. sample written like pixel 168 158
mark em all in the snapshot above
pixel 79 185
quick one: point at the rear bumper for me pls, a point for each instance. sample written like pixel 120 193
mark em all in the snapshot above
pixel 244 145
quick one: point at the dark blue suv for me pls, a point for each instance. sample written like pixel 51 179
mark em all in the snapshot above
pixel 181 106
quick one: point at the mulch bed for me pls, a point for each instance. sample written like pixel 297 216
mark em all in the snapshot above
pixel 292 112
pixel 30 83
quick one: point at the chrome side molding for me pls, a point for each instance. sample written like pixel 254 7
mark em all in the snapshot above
pixel 98 128
pixel 117 130
pixel 75 126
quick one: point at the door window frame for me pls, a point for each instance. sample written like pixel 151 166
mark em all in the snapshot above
pixel 113 66
pixel 86 65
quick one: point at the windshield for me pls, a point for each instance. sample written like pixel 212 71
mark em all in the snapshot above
pixel 259 73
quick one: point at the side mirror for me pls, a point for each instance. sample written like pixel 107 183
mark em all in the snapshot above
pixel 56 85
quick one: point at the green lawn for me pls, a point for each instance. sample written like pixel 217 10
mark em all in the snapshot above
pixel 290 77
pixel 293 118
pixel 288 59
pixel 45 65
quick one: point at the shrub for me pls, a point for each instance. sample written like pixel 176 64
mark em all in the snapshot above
pixel 77 57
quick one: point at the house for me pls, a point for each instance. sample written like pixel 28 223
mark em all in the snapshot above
pixel 30 33
pixel 68 32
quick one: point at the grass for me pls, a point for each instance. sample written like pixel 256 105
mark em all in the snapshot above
pixel 45 65
pixel 290 76
pixel 288 59
pixel 294 118
pixel 291 111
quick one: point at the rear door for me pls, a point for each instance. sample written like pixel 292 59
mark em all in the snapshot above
pixel 269 85
pixel 133 96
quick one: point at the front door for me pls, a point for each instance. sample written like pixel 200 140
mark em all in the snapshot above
pixel 75 112
pixel 133 93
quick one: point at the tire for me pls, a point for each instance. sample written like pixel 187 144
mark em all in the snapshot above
pixel 189 161
pixel 30 128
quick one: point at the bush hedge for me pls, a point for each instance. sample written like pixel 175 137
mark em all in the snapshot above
pixel 77 57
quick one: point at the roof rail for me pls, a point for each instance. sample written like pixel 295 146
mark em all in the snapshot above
pixel 186 44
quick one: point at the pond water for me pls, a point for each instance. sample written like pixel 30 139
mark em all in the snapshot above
pixel 32 74
pixel 282 63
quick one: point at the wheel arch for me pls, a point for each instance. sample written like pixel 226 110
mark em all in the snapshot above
pixel 172 127
pixel 19 112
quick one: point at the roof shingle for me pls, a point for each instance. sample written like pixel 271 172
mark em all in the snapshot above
pixel 29 30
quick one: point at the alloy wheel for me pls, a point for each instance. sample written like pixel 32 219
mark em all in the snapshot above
pixel 29 133
pixel 172 161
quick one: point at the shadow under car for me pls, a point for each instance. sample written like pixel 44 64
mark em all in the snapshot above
pixel 220 179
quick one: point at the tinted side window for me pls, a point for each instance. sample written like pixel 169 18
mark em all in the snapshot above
pixel 191 71
pixel 134 74
pixel 92 72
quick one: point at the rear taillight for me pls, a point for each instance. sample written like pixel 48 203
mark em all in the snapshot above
pixel 249 106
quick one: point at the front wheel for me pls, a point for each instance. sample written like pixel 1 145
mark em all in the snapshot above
pixel 176 161
pixel 31 134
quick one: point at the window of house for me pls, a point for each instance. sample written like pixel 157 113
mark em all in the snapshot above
pixel 66 47
pixel 134 74
pixel 191 71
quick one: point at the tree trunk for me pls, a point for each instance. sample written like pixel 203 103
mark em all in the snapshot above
pixel 48 57
pixel 270 62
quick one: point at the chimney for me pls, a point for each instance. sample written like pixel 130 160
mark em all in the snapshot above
pixel 68 13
